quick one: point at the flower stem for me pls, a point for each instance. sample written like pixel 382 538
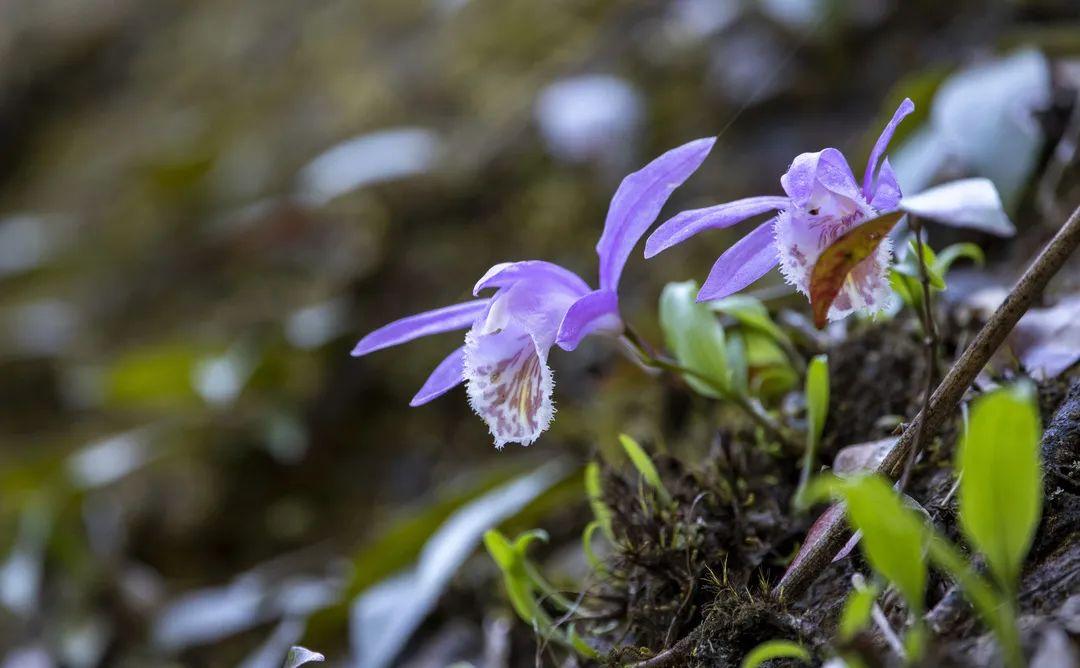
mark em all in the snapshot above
pixel 930 345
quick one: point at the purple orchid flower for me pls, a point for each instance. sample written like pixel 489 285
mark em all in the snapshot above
pixel 823 201
pixel 537 305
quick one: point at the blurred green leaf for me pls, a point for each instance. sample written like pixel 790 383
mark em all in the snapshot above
pixel 856 613
pixel 750 313
pixel 738 362
pixel 154 377
pixel 595 492
pixel 774 649
pixel 909 266
pixel 644 464
pixel 1001 483
pixel 817 400
pixel 696 338
pixel 952 253
pixel 816 390
pixel 586 543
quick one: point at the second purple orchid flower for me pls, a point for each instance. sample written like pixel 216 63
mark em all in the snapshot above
pixel 537 305
pixel 822 202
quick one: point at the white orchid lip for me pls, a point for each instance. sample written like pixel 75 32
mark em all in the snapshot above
pixel 509 385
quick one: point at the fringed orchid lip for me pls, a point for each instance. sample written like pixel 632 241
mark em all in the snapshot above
pixel 537 305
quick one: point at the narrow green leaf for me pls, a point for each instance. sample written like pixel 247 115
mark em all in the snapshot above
pixel 500 548
pixel 817 409
pixel 817 399
pixel 645 467
pixel 695 338
pixel 774 649
pixel 586 543
pixel 595 492
pixel 893 535
pixel 1001 483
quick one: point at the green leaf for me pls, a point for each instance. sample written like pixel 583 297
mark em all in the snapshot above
pixel 817 399
pixel 952 253
pixel 586 543
pixel 893 535
pixel 500 548
pixel 595 492
pixel 817 409
pixel 774 649
pixel 645 467
pixel 523 582
pixel 856 613
pixel 907 287
pixel 738 362
pixel 910 266
pixel 695 338
pixel 750 313
pixel 1001 480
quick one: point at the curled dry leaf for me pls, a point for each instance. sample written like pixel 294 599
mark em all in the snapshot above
pixel 836 262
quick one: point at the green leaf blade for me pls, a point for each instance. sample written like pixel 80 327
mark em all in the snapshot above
pixel 1001 483
pixel 695 337
pixel 774 649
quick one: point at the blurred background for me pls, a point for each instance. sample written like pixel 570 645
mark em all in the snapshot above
pixel 203 205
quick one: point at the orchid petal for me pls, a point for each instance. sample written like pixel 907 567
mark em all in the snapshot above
pixel 905 108
pixel 449 374
pixel 742 264
pixel 507 274
pixel 887 190
pixel 595 312
pixel 509 384
pixel 688 223
pixel 638 202
pixel 827 168
pixel 971 203
pixel 446 319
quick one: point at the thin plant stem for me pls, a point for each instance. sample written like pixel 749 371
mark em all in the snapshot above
pixel 930 345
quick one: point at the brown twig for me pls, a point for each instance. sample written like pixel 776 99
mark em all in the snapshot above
pixel 947 395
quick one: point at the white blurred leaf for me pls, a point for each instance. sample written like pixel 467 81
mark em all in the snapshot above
pixel 590 117
pixel 298 656
pixel 1047 340
pixel 970 203
pixel 983 115
pixel 371 158
pixel 384 616
pixel 20 574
